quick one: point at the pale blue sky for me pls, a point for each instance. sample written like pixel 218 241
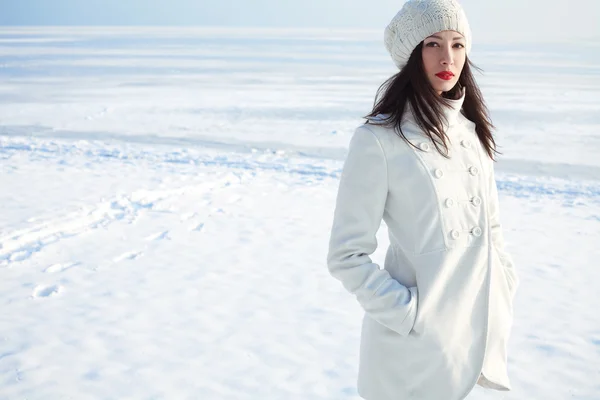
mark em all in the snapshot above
pixel 530 20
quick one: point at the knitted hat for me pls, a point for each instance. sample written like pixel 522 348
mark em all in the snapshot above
pixel 419 19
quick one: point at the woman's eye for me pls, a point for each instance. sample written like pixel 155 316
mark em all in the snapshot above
pixel 431 44
pixel 459 45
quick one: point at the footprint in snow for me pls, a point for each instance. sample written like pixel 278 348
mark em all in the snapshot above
pixel 22 255
pixel 46 291
pixel 188 216
pixel 198 227
pixel 131 255
pixel 61 267
pixel 159 236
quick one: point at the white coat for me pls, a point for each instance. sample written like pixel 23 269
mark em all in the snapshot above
pixel 438 315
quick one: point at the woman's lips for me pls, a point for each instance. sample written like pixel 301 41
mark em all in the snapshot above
pixel 445 75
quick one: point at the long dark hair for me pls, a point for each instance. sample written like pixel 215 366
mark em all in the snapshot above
pixel 410 85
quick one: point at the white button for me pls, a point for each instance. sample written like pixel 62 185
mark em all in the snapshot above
pixel 473 170
pixel 466 144
pixel 449 203
pixel 424 146
pixel 476 201
pixel 439 173
pixel 454 234
pixel 476 231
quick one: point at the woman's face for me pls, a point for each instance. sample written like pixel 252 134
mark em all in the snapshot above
pixel 444 56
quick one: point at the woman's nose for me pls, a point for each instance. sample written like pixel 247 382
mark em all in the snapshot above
pixel 447 57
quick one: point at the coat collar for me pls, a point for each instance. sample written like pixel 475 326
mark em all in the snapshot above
pixel 452 112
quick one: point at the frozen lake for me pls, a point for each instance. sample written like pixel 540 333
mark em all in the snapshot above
pixel 166 197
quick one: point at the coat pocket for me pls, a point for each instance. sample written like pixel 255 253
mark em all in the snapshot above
pixel 506 272
pixel 506 287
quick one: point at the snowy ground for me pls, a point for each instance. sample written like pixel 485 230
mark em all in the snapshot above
pixel 166 198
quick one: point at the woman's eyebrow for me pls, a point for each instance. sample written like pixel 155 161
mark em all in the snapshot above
pixel 441 38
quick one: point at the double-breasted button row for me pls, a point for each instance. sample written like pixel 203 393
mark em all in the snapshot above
pixel 475 200
pixel 439 173
pixel 426 147
pixel 475 231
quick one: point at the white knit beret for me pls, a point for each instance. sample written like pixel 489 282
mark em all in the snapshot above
pixel 419 19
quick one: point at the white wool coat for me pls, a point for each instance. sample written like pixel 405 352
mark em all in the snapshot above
pixel 439 313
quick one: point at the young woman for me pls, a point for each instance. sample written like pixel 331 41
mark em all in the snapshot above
pixel 438 315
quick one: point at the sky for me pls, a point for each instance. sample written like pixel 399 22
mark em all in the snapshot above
pixel 531 20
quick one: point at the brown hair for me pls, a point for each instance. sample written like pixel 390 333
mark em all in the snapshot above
pixel 410 85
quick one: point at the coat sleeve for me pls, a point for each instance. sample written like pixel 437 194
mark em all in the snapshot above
pixel 498 236
pixel 359 208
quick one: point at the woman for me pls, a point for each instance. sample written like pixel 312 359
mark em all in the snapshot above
pixel 438 316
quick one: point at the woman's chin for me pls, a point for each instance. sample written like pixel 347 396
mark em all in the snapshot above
pixel 444 86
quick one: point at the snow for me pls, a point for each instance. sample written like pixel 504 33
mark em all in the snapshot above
pixel 166 198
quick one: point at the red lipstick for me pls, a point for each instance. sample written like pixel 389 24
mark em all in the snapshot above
pixel 445 75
